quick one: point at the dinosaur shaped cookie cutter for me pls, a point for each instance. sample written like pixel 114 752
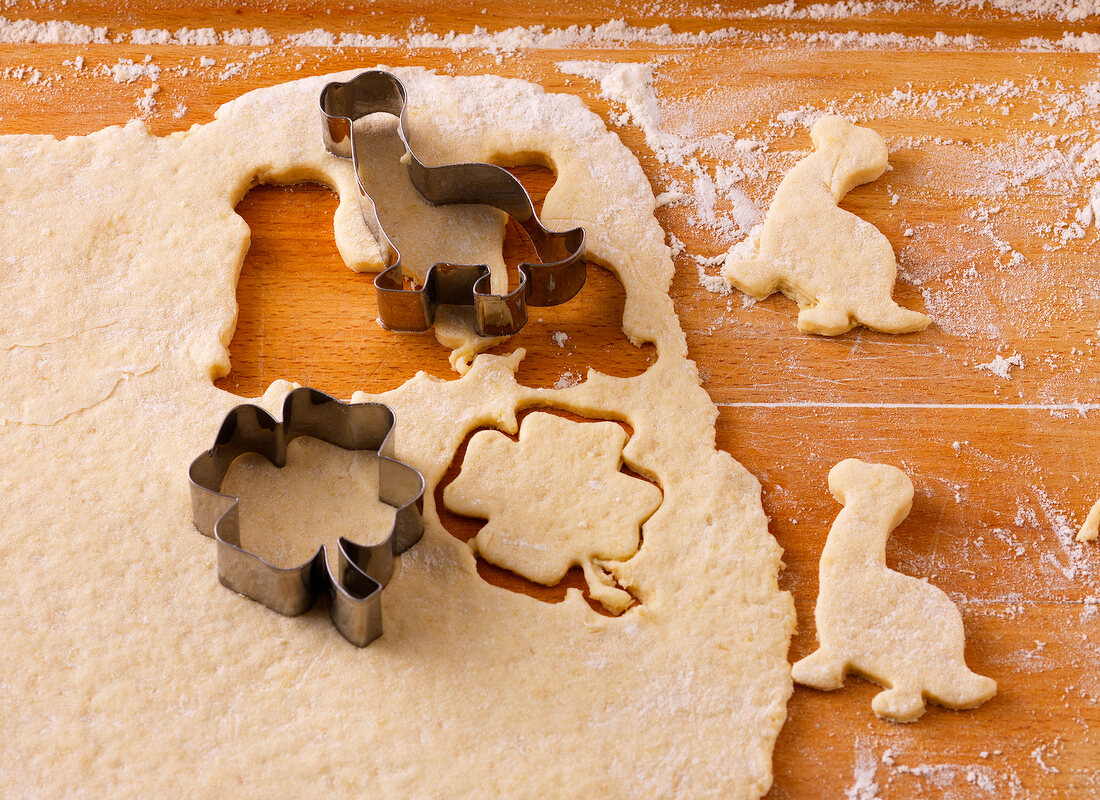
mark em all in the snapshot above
pixel 355 593
pixel 555 279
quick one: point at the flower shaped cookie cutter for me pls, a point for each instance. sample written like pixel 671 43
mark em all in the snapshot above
pixel 355 593
pixel 555 279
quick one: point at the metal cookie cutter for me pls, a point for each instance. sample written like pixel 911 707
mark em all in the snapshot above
pixel 355 594
pixel 558 276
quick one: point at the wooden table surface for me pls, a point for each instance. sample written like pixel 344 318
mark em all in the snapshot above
pixel 990 164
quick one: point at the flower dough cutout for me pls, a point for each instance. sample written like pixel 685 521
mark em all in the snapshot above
pixel 554 499
pixel 898 631
pixel 839 268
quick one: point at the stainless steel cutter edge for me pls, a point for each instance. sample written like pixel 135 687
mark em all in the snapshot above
pixel 554 280
pixel 355 594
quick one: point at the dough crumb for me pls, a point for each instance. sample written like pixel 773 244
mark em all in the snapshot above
pixel 1090 530
pixel 148 102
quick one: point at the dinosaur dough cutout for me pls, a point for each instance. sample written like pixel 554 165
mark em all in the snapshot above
pixel 1090 529
pixel 898 631
pixel 553 500
pixel 839 268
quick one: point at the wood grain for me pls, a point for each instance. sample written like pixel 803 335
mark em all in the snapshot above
pixel 1002 468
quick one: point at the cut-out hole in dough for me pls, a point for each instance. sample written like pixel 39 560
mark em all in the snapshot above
pixel 565 340
pixel 305 317
pixel 466 528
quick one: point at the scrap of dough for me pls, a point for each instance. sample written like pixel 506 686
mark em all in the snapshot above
pixel 898 631
pixel 553 500
pixel 129 671
pixel 1091 527
pixel 839 268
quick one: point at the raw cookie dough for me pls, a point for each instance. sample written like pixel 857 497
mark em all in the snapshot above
pixel 1090 529
pixel 553 500
pixel 129 671
pixel 839 268
pixel 900 632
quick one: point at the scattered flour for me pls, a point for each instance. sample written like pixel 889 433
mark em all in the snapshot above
pixel 127 71
pixel 322 38
pixel 1038 756
pixel 613 33
pixel 947 776
pixel 982 781
pixel 32 76
pixel 237 37
pixel 1091 610
pixel 1065 10
pixel 617 32
pixel 25 31
pixel 1077 562
pixel 864 786
pixel 1001 366
pixel 632 85
pixel 1076 42
pixel 567 379
pixel 184 36
pixel 257 37
pixel 840 10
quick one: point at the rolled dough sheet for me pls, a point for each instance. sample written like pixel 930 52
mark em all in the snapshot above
pixel 128 671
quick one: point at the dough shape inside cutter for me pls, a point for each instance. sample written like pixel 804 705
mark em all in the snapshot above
pixel 355 592
pixel 554 279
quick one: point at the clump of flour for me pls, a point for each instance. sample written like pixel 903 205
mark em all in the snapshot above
pixel 1001 366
